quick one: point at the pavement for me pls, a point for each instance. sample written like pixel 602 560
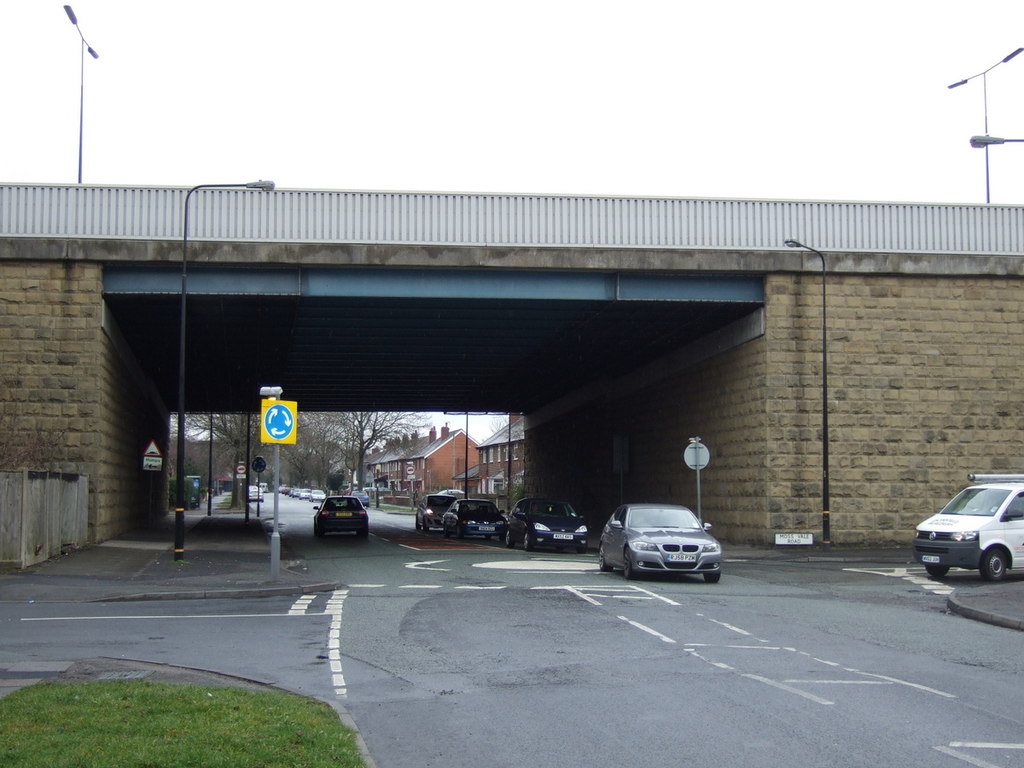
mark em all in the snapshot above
pixel 227 556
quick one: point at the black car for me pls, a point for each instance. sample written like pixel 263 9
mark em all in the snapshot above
pixel 341 514
pixel 548 523
pixel 431 510
pixel 473 517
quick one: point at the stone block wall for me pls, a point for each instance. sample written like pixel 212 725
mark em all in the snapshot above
pixel 71 403
pixel 925 386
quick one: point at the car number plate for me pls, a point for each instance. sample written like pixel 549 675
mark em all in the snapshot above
pixel 343 514
pixel 562 536
pixel 486 527
pixel 929 558
pixel 681 557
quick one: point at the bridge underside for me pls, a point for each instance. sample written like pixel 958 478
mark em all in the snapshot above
pixel 369 339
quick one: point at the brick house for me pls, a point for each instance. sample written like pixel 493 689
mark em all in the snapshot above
pixel 423 464
pixel 502 458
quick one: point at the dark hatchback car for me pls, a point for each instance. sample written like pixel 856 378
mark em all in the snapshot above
pixel 473 517
pixel 341 514
pixel 548 523
pixel 431 510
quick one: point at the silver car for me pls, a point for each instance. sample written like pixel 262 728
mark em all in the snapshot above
pixel 659 538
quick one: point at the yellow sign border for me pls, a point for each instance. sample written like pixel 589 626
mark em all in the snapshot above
pixel 266 437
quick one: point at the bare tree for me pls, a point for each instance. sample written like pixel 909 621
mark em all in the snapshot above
pixel 364 430
pixel 319 448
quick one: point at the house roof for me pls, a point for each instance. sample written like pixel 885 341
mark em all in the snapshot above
pixel 501 437
pixel 419 448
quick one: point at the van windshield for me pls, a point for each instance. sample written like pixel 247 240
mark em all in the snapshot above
pixel 980 502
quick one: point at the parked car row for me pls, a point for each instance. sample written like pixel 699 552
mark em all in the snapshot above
pixel 638 538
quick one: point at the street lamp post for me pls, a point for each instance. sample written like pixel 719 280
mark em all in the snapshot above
pixel 81 84
pixel 826 530
pixel 179 512
pixel 984 88
pixel 984 142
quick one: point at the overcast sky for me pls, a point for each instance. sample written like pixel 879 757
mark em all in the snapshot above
pixel 786 99
pixel 793 99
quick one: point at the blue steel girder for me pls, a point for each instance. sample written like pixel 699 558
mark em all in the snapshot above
pixel 434 284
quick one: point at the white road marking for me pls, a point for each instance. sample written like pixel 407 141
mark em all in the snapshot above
pixel 916 576
pixel 425 565
pixel 540 566
pixel 984 745
pixel 730 627
pixel 334 608
pixel 648 630
pixel 500 586
pixel 897 681
pixel 162 616
pixel 966 758
pixel 788 689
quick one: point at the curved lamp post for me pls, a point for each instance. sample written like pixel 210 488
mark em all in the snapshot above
pixel 984 85
pixel 179 511
pixel 826 531
pixel 81 84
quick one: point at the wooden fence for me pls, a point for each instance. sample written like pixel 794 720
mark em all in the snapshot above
pixel 41 515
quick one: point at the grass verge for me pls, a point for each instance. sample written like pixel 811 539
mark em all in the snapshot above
pixel 133 724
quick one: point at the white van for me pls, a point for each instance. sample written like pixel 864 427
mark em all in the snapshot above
pixel 981 528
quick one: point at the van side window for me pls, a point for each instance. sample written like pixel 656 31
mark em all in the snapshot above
pixel 1015 509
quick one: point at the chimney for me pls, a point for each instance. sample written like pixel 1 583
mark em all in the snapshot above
pixel 444 432
pixel 433 434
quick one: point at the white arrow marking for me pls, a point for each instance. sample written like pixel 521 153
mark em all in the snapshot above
pixel 425 566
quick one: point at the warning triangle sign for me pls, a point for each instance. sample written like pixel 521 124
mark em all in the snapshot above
pixel 152 450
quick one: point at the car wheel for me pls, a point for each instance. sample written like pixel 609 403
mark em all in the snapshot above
pixel 446 532
pixel 628 572
pixel 993 564
pixel 602 564
pixel 419 525
pixel 528 543
pixel 937 571
pixel 317 530
pixel 509 541
pixel 712 578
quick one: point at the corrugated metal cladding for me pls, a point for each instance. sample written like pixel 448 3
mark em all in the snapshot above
pixel 506 220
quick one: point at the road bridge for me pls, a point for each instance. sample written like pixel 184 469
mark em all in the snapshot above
pixel 625 321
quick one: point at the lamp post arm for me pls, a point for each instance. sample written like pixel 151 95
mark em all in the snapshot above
pixel 179 514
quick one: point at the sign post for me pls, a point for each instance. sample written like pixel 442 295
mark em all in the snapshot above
pixel 697 456
pixel 278 424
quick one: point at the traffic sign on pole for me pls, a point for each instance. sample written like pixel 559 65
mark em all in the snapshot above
pixel 278 422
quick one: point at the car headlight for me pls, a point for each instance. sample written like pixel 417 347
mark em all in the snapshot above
pixel 540 527
pixel 644 546
pixel 712 547
pixel 581 529
pixel 964 536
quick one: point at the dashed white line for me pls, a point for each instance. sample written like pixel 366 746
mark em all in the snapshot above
pixel 648 630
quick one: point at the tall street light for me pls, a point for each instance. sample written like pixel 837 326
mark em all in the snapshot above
pixel 826 531
pixel 984 85
pixel 179 512
pixel 81 84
